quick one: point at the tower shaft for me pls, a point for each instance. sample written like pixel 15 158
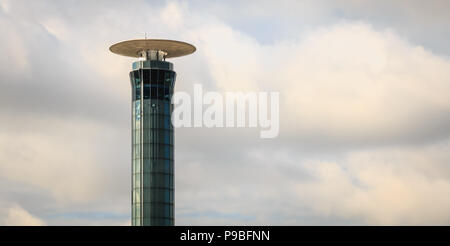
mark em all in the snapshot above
pixel 152 83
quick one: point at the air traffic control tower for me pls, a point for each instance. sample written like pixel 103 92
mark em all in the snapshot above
pixel 152 142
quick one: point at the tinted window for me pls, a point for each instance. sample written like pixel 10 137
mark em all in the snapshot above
pixel 146 91
pixel 154 75
pixel 146 76
pixel 161 77
pixel 153 92
pixel 137 93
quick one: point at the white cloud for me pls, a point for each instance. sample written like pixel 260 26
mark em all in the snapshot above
pixel 14 58
pixel 126 223
pixel 392 186
pixel 343 82
pixel 57 28
pixel 56 155
pixel 172 15
pixel 234 60
pixel 5 5
pixel 386 186
pixel 17 216
pixel 352 81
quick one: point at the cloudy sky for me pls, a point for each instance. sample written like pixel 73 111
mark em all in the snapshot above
pixel 364 111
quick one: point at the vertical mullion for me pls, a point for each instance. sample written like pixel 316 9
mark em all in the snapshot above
pixel 172 154
pixel 133 129
pixel 141 205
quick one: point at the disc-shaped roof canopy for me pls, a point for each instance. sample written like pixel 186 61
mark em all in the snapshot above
pixel 134 47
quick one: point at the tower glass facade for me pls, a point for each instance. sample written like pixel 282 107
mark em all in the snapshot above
pixel 152 196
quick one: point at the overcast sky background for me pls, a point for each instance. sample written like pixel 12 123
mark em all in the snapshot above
pixel 364 119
